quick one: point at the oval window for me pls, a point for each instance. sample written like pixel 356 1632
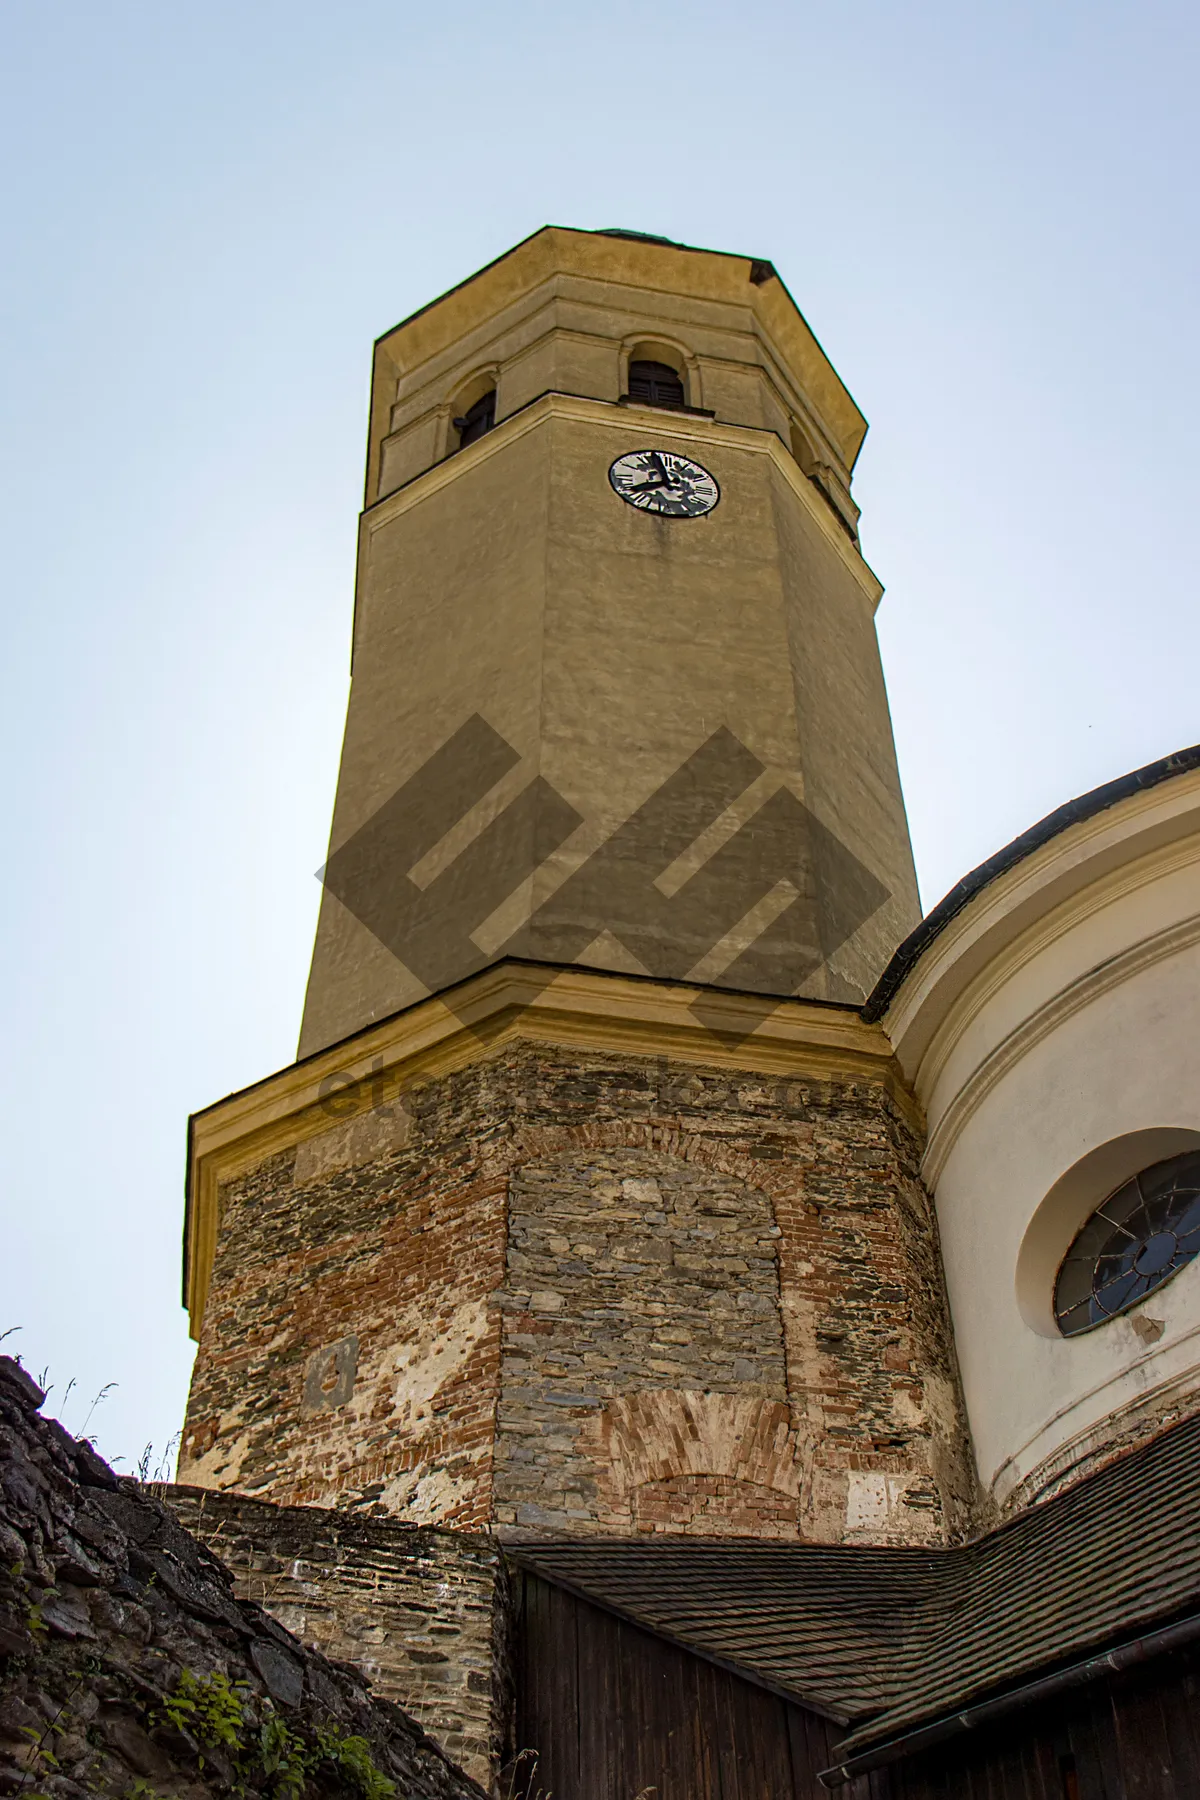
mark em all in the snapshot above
pixel 1142 1235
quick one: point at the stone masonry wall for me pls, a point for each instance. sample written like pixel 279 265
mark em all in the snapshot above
pixel 421 1613
pixel 112 1616
pixel 579 1293
pixel 641 1313
pixel 350 1350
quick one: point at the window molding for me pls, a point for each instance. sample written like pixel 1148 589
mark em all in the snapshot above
pixel 1072 1201
pixel 463 396
pixel 677 356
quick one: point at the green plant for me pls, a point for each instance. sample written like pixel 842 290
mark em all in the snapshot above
pixel 38 1740
pixel 268 1758
pixel 351 1756
pixel 209 1707
pixel 283 1757
pixel 33 1608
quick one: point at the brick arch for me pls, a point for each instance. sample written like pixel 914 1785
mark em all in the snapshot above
pixel 664 1432
pixel 679 1459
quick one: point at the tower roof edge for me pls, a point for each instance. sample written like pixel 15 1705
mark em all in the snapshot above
pixel 638 259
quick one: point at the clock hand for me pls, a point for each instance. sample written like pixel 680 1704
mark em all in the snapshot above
pixel 661 480
pixel 659 476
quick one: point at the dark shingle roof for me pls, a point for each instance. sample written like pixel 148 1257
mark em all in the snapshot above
pixel 827 1627
pixel 882 1639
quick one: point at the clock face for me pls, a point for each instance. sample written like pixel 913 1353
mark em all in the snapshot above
pixel 658 481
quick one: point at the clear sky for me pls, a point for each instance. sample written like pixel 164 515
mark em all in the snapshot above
pixel 988 216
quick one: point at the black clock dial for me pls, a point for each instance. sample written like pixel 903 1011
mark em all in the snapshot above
pixel 658 481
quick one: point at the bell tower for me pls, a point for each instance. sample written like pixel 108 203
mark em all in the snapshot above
pixel 656 712
pixel 592 1205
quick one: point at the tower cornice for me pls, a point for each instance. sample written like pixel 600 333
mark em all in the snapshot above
pixel 565 1007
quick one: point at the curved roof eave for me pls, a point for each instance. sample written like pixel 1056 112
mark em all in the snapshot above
pixel 910 952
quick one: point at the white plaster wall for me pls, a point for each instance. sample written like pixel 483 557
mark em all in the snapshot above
pixel 1084 934
pixel 1061 1012
pixel 1126 1062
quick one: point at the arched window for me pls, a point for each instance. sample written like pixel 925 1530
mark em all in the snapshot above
pixel 655 384
pixel 478 420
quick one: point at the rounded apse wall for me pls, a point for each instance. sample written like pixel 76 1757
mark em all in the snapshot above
pixel 1049 1029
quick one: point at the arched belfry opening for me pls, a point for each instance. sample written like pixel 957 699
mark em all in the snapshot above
pixel 478 419
pixel 656 384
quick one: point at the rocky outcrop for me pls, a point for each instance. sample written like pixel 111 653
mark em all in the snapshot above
pixel 129 1667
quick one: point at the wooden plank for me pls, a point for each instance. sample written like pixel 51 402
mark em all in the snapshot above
pixel 709 1730
pixel 1094 1747
pixel 567 1699
pixel 677 1729
pixel 634 1667
pixel 591 1699
pixel 1045 1778
pixel 528 1666
pixel 1143 1738
pixel 729 1741
pixel 809 1740
pixel 1182 1723
pixel 615 1710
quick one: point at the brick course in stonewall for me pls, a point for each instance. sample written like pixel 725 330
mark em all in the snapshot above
pixel 581 1293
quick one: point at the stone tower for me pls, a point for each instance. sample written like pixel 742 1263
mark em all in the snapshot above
pixel 592 1204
